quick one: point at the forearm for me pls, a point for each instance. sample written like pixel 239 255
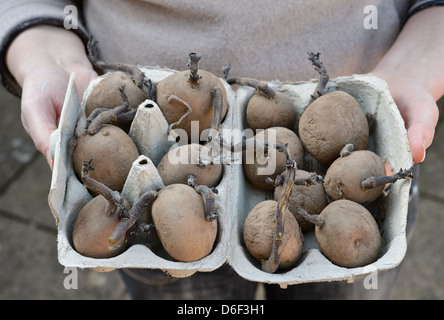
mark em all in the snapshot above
pixel 44 45
pixel 418 52
pixel 18 16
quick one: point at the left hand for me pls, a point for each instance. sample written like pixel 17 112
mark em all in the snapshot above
pixel 418 109
pixel 414 71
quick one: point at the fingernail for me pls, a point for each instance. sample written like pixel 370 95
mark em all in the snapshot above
pixel 49 159
pixel 424 153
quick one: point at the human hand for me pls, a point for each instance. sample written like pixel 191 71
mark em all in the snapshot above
pixel 414 71
pixel 418 109
pixel 42 59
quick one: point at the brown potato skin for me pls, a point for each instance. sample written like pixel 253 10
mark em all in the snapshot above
pixel 312 199
pixel 250 166
pixel 329 123
pixel 113 153
pixel 350 237
pixel 263 113
pixel 258 233
pixel 199 97
pixel 106 93
pixel 172 172
pixel 179 218
pixel 92 229
pixel 348 172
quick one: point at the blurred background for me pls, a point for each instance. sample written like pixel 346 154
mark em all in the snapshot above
pixel 28 233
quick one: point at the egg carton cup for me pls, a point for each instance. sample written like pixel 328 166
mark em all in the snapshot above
pixel 236 196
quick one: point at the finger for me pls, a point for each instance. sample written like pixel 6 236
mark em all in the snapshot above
pixel 417 144
pixel 418 109
pixel 41 103
pixel 39 123
pixel 421 121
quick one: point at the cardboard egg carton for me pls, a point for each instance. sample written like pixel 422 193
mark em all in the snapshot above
pixel 236 196
pixel 388 139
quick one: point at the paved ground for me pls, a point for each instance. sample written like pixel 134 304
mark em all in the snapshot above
pixel 28 245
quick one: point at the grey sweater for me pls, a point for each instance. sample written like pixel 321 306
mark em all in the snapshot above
pixel 266 40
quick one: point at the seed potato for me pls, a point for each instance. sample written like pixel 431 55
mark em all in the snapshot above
pixel 258 233
pixel 199 97
pixel 350 236
pixel 195 159
pixel 263 112
pixel 343 178
pixel 311 198
pixel 105 94
pixel 179 219
pixel 256 160
pixel 92 229
pixel 112 152
pixel 329 123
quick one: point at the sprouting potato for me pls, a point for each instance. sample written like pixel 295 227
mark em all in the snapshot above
pixel 329 123
pixel 92 229
pixel 112 152
pixel 347 234
pixel 311 198
pixel 258 233
pixel 191 95
pixel 181 224
pixel 105 94
pixel 268 159
pixel 193 158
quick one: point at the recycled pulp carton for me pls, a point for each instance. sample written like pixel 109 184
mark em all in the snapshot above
pixel 388 140
pixel 236 197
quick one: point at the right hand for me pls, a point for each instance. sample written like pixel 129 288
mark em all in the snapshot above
pixel 41 59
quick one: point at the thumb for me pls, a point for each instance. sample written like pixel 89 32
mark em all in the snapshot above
pixel 417 142
pixel 419 110
pixel 39 125
pixel 421 117
pixel 42 99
